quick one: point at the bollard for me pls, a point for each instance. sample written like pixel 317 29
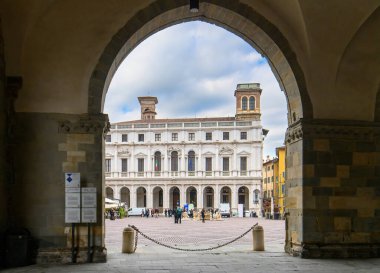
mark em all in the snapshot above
pixel 128 240
pixel 258 238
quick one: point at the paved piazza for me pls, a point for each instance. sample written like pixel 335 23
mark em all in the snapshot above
pixel 236 257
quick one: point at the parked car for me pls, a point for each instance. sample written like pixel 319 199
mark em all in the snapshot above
pixel 135 211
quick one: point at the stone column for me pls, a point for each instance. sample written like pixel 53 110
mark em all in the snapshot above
pixel 165 196
pixel 199 197
pixel 133 196
pixel 149 197
pixel 234 198
pixel 333 201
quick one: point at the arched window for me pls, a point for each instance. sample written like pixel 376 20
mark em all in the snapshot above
pixel 256 196
pixel 157 161
pixel 174 161
pixel 251 103
pixel 191 161
pixel 244 103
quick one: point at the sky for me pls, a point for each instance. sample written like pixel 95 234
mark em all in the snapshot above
pixel 193 69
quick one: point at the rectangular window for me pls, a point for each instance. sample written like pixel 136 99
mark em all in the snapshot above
pixel 124 138
pixel 191 136
pixel 108 138
pixel 124 165
pixel 157 137
pixel 226 164
pixel 226 135
pixel 208 136
pixel 141 137
pixel 208 164
pixel 140 165
pixel 243 135
pixel 174 136
pixel 243 165
pixel 108 165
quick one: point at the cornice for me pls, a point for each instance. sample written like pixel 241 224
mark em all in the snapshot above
pixel 339 129
pixel 85 124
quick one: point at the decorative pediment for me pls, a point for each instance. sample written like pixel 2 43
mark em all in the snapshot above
pixel 108 155
pixel 174 149
pixel 208 154
pixel 243 153
pixel 140 155
pixel 124 152
pixel 226 151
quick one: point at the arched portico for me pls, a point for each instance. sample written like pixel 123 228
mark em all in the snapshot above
pixel 174 197
pixel 191 196
pixel 141 201
pixel 125 196
pixel 330 82
pixel 208 197
pixel 158 198
pixel 109 193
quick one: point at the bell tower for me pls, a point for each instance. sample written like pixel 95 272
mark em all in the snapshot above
pixel 248 101
pixel 148 107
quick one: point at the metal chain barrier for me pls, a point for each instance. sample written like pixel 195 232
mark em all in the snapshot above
pixel 185 249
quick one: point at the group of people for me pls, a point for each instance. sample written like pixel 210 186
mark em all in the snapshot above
pixel 150 212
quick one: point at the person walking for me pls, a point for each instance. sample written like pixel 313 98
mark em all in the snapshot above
pixel 175 217
pixel 179 215
pixel 203 215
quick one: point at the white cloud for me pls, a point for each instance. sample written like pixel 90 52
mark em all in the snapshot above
pixel 197 66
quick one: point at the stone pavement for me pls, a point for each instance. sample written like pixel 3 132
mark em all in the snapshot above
pixel 236 257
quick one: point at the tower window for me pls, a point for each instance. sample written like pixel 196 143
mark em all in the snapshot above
pixel 244 103
pixel 252 103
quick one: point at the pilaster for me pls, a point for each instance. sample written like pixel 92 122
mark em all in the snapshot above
pixel 333 197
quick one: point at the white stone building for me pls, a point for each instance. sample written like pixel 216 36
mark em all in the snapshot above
pixel 159 163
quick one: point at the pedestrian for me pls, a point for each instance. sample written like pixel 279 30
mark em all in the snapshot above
pixel 203 215
pixel 212 213
pixel 175 217
pixel 151 212
pixel 142 213
pixel 166 213
pixel 112 214
pixel 179 214
pixel 156 212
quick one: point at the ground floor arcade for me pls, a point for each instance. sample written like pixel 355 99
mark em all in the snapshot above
pixel 168 196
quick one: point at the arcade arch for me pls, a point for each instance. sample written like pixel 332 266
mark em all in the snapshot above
pixel 141 197
pixel 208 197
pixel 191 196
pixel 174 197
pixel 125 196
pixel 158 198
pixel 225 195
pixel 109 193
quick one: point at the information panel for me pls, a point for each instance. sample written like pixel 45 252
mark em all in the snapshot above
pixel 89 197
pixel 72 215
pixel 88 215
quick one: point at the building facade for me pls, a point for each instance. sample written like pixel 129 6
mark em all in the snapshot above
pixel 162 163
pixel 273 185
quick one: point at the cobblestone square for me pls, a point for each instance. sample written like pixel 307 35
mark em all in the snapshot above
pixel 193 234
pixel 237 257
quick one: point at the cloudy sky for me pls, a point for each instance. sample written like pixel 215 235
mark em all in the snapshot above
pixel 193 69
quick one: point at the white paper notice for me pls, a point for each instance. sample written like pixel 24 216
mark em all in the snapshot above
pixel 88 215
pixel 72 215
pixel 72 200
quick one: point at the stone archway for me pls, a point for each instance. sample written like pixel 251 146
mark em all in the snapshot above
pixel 208 197
pixel 158 198
pixel 141 197
pixel 191 196
pixel 109 193
pixel 174 197
pixel 231 15
pixel 125 196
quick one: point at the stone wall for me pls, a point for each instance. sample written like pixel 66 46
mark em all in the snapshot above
pixel 334 211
pixel 47 146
